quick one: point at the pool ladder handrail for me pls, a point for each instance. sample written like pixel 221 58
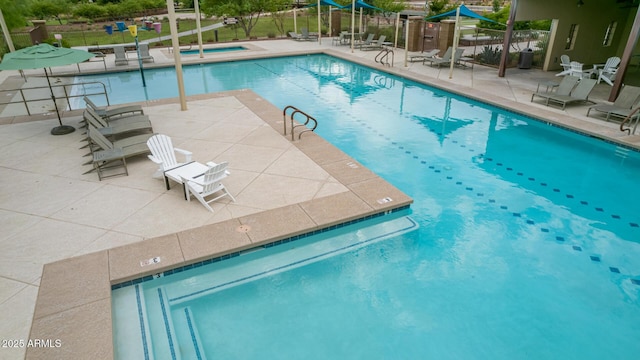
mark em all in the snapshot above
pixel 383 56
pixel 309 119
pixel 629 119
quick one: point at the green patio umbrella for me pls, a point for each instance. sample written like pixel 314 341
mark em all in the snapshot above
pixel 44 56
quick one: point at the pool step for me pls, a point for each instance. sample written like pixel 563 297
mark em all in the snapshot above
pixel 132 339
pixel 256 265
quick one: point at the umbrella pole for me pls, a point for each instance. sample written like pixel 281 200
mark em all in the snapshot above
pixel 62 129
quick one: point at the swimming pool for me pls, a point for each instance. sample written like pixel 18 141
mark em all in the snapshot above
pixel 212 50
pixel 527 244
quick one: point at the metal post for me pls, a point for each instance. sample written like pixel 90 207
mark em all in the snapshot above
pixel 144 83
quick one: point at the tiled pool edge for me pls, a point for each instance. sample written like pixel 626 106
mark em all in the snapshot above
pixel 74 297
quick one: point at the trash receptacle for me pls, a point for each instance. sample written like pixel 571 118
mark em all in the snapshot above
pixel 108 29
pixel 526 59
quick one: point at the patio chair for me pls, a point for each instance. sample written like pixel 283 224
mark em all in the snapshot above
pixel 579 94
pixel 565 62
pixel 577 70
pixel 118 128
pixel 413 57
pixel 294 36
pixel 625 103
pixel 164 155
pixel 305 35
pixel 445 59
pixel 340 39
pixel 564 88
pixel 144 52
pixel 121 56
pixel 105 152
pixel 365 42
pixel 375 45
pixel 105 112
pixel 208 184
pixel 609 70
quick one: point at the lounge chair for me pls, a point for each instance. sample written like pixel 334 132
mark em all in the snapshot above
pixel 121 56
pixel 609 70
pixel 144 52
pixel 565 62
pixel 107 159
pixel 579 94
pixel 365 42
pixel 564 88
pixel 375 45
pixel 106 151
pixel 413 57
pixel 105 112
pixel 627 99
pixel 446 58
pixel 131 146
pixel 341 39
pixel 207 184
pixel 118 128
pixel 305 36
pixel 294 36
pixel 164 155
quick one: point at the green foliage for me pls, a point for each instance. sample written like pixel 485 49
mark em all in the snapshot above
pixel 277 9
pixel 490 56
pixel 246 11
pixel 438 7
pixel 13 12
pixel 130 7
pixel 46 9
pixel 496 5
pixel 389 6
pixel 503 15
pixel 89 11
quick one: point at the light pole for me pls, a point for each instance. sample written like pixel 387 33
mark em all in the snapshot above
pixel 133 29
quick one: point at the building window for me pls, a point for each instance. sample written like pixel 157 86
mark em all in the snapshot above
pixel 571 39
pixel 608 36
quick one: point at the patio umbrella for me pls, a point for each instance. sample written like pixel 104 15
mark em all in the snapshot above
pixel 44 56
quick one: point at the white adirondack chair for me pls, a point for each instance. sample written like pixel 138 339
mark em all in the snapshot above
pixel 164 154
pixel 565 62
pixel 209 184
pixel 608 72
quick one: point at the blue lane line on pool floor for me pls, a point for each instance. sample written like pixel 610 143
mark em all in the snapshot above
pixel 559 238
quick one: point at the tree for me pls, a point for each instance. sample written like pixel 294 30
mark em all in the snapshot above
pixel 247 12
pixel 278 8
pixel 13 12
pixel 390 7
pixel 496 5
pixel 46 9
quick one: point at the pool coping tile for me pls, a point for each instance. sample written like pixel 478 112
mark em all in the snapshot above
pixel 83 332
pixel 135 260
pixel 62 282
pixel 206 241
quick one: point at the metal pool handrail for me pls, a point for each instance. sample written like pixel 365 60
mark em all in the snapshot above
pixel 308 119
pixel 629 119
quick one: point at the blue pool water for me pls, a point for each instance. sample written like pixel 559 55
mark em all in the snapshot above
pixel 525 244
pixel 212 50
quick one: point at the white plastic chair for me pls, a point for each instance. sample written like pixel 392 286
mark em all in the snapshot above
pixel 164 154
pixel 565 62
pixel 209 184
pixel 576 70
pixel 608 72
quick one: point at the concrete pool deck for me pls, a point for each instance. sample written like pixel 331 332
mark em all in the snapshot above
pixel 54 215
